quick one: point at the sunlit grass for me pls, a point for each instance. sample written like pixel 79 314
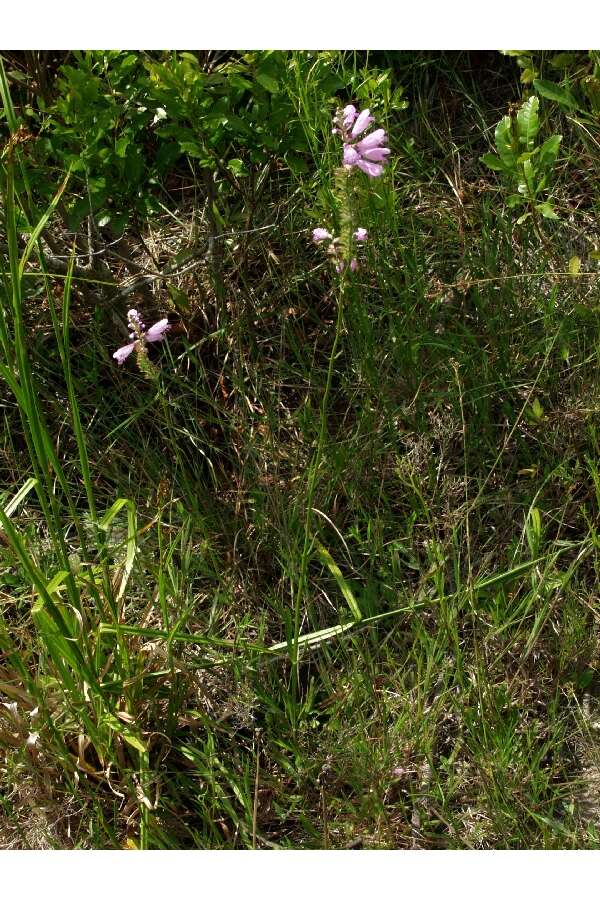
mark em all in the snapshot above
pixel 329 574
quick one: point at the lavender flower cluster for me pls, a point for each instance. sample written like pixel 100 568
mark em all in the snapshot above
pixel 369 153
pixel 138 335
pixel 335 249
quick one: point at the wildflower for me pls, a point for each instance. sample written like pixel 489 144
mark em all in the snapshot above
pixel 369 153
pixel 341 265
pixel 335 249
pixel 350 114
pixel 138 335
pixel 123 352
pixel 363 121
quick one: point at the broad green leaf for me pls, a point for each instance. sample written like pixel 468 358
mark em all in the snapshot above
pixel 528 75
pixel 504 143
pixel 267 82
pixel 563 60
pixel 549 151
pixel 526 183
pixel 494 162
pixel 555 92
pixel 529 154
pixel 238 168
pixel 546 210
pixel 528 123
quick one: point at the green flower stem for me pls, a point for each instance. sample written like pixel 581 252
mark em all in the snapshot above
pixel 312 483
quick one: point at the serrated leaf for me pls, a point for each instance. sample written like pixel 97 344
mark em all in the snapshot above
pixel 493 162
pixel 555 92
pixel 528 123
pixel 504 143
pixel 546 210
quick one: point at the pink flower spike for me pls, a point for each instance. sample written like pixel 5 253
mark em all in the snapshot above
pixel 377 154
pixel 123 352
pixel 375 139
pixel 339 268
pixel 158 330
pixel 353 265
pixel 350 115
pixel 351 157
pixel 372 169
pixel 321 234
pixel 363 121
pixel 361 234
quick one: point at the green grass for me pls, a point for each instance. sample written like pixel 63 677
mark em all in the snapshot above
pixel 325 573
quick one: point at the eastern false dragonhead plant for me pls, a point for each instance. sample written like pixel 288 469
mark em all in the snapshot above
pixel 366 154
pixel 362 154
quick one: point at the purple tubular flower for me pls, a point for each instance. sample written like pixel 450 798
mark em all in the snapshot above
pixel 321 234
pixel 372 169
pixel 369 153
pixel 123 352
pixel 361 234
pixel 363 121
pixel 139 336
pixel 351 157
pixel 353 265
pixel 377 154
pixel 349 113
pixel 158 331
pixel 375 139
